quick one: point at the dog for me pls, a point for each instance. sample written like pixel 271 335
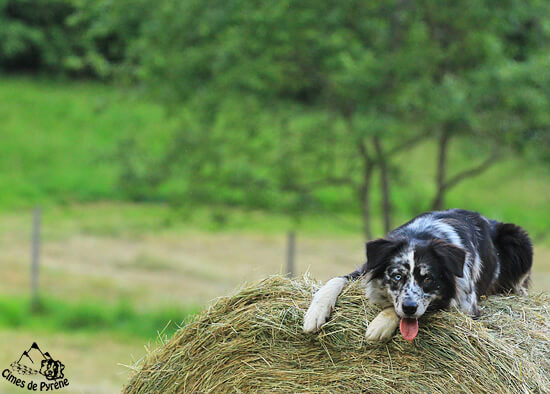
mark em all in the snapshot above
pixel 437 260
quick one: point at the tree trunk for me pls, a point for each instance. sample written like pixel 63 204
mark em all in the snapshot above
pixel 364 198
pixel 439 199
pixel 384 183
pixel 364 187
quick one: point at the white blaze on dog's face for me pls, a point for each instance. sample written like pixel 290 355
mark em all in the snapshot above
pixel 417 278
pixel 410 284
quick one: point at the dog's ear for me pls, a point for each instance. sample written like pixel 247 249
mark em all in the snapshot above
pixel 379 250
pixel 452 256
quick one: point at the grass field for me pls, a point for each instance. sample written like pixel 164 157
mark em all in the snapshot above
pixel 91 316
pixel 122 284
pixel 59 138
pixel 112 272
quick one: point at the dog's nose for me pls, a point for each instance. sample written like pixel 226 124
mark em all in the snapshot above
pixel 409 307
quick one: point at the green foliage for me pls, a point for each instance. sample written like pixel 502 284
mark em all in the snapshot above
pixel 59 315
pixel 75 37
pixel 387 56
pixel 299 90
pixel 107 32
pixel 61 141
pixel 32 34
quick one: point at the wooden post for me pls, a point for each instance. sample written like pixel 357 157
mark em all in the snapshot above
pixel 37 213
pixel 290 253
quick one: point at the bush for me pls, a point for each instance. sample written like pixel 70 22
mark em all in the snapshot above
pixel 33 35
pixel 77 37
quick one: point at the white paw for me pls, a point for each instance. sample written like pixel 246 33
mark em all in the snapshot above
pixel 322 304
pixel 316 316
pixel 382 327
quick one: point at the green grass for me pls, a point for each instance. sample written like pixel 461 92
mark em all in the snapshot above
pixel 56 315
pixel 58 144
pixel 59 138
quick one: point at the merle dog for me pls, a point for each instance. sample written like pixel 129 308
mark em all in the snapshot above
pixel 436 260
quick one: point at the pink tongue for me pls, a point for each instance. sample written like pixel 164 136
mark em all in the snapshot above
pixel 408 328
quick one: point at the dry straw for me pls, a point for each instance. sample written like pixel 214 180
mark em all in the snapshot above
pixel 253 341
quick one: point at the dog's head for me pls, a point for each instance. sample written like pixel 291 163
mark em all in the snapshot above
pixel 417 277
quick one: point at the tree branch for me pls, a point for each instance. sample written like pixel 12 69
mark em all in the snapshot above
pixel 364 153
pixel 384 182
pixel 407 144
pixel 488 162
pixel 330 181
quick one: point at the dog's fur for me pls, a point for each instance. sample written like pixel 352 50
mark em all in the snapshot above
pixel 436 260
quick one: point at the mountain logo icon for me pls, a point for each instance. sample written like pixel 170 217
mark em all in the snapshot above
pixel 33 362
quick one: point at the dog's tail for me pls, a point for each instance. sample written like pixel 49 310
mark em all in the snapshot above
pixel 515 254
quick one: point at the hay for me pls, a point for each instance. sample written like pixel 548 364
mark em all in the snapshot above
pixel 253 341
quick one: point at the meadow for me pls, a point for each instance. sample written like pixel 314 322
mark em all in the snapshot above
pixel 115 272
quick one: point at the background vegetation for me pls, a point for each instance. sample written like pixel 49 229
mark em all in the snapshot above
pixel 172 144
pixel 296 107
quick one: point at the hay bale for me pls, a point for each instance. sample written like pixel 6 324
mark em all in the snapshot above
pixel 253 341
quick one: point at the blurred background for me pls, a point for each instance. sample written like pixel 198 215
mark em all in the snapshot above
pixel 156 154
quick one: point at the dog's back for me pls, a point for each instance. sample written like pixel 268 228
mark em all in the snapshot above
pixel 501 254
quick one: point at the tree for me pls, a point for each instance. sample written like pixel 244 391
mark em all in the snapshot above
pixel 322 65
pixel 380 76
pixel 507 107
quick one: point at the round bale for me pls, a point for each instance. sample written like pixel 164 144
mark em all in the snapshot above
pixel 253 341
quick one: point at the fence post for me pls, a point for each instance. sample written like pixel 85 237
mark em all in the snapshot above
pixel 37 214
pixel 290 253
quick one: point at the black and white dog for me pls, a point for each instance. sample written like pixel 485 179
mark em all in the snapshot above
pixel 437 260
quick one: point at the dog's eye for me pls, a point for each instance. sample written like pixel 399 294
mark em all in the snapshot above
pixel 428 280
pixel 396 277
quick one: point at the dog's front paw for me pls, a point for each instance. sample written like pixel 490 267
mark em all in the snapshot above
pixel 317 315
pixel 379 332
pixel 382 327
pixel 322 304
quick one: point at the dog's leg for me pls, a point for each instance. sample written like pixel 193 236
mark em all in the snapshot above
pixel 522 284
pixel 322 304
pixel 466 302
pixel 382 327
